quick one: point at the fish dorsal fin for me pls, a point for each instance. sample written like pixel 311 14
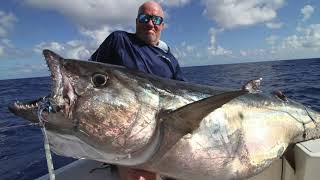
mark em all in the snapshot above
pixel 252 86
pixel 178 123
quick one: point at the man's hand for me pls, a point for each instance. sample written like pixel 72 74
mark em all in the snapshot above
pixel 135 174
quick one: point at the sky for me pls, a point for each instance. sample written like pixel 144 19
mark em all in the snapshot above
pixel 199 32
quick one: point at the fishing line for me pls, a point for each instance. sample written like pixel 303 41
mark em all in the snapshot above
pixel 46 105
pixel 314 121
pixel 282 168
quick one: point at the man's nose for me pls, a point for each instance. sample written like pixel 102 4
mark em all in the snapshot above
pixel 150 23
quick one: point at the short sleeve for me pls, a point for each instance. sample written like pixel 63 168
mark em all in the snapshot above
pixel 106 53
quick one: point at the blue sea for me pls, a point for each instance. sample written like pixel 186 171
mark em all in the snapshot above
pixel 21 145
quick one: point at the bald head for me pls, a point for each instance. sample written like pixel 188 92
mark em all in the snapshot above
pixel 147 30
pixel 151 4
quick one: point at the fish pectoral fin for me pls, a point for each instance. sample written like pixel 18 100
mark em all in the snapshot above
pixel 188 118
pixel 173 125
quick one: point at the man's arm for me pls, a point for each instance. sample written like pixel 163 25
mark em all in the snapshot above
pixel 178 74
pixel 106 52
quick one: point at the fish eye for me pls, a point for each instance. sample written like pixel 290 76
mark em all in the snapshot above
pixel 99 80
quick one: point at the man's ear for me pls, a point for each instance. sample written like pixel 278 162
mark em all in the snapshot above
pixel 163 25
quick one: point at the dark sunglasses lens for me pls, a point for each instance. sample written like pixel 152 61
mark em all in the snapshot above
pixel 157 20
pixel 143 18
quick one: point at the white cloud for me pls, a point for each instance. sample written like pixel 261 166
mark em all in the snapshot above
pixel 185 53
pixel 96 19
pixel 305 43
pixel 8 51
pixel 243 53
pixel 71 49
pixel 79 49
pixel 292 42
pixel 98 35
pixel 307 11
pixel 31 68
pixel 1 50
pixel 3 32
pixel 253 52
pixel 24 69
pixel 274 25
pixel 54 46
pixel 100 15
pixel 215 49
pixel 272 39
pixel 93 13
pixel 7 43
pixel 7 21
pixel 308 37
pixel 174 2
pixel 234 13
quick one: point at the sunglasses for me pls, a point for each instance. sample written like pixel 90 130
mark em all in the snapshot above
pixel 145 18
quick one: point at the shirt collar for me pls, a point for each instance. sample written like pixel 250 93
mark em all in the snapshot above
pixel 163 46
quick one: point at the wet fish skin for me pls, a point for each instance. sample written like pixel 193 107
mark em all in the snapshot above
pixel 181 130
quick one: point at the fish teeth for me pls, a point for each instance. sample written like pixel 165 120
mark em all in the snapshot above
pixel 25 106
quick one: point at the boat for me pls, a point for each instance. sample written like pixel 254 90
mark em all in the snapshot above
pixel 305 167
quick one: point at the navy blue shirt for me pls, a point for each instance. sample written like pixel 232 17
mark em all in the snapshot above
pixel 125 49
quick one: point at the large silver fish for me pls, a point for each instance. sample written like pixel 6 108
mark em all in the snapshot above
pixel 185 131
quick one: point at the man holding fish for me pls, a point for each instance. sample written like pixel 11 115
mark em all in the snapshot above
pixel 143 51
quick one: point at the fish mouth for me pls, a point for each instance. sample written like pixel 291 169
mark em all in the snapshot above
pixel 63 94
pixel 62 98
pixel 27 110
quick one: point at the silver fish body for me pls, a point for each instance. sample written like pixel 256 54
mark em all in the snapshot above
pixel 181 130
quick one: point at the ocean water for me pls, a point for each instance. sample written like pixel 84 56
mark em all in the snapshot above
pixel 21 144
